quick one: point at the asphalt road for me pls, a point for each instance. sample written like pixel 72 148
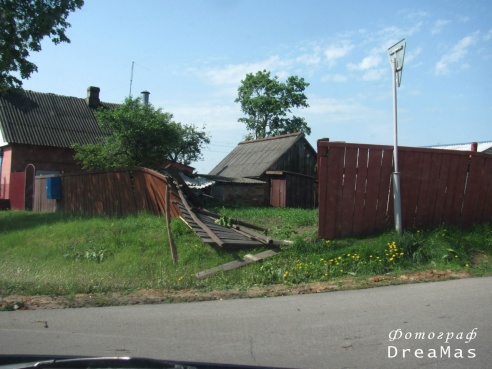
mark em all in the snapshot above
pixel 347 329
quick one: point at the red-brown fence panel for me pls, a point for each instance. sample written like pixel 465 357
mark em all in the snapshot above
pixel 114 192
pixel 437 187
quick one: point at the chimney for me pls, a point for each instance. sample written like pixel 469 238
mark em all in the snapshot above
pixel 92 98
pixel 474 146
pixel 145 97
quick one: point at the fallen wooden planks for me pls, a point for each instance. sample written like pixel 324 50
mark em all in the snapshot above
pixel 245 260
pixel 210 232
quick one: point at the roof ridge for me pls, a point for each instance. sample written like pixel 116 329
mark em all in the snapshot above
pixel 272 138
pixel 462 143
pixel 58 95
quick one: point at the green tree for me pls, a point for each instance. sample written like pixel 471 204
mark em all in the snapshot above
pixel 139 135
pixel 267 101
pixel 188 147
pixel 23 24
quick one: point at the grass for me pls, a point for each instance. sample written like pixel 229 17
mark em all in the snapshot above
pixel 57 254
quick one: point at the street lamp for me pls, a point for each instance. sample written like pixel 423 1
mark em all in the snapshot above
pixel 396 55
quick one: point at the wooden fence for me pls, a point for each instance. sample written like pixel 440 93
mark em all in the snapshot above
pixel 437 187
pixel 115 192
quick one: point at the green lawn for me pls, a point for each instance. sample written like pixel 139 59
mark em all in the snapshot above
pixel 57 254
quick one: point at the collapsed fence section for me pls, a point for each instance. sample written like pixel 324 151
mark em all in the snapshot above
pixel 437 187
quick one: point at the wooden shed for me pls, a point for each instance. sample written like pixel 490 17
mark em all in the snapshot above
pixel 292 190
pixel 291 155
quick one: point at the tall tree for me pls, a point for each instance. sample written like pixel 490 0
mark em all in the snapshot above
pixel 266 102
pixel 23 24
pixel 188 147
pixel 140 135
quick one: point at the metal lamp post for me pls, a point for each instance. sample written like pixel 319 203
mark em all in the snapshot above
pixel 396 55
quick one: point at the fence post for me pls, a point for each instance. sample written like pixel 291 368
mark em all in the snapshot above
pixel 174 252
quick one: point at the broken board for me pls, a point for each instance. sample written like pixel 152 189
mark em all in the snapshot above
pixel 245 260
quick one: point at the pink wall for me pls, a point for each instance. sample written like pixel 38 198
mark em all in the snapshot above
pixel 5 175
pixel 17 157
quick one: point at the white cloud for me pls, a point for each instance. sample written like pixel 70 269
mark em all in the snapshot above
pixel 309 59
pixel 232 74
pixel 488 35
pixel 370 61
pixel 456 54
pixel 394 30
pixel 335 52
pixel 334 109
pixel 334 78
pixel 439 25
pixel 374 74
pixel 412 55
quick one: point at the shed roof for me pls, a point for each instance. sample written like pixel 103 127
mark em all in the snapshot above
pixel 253 158
pixel 45 119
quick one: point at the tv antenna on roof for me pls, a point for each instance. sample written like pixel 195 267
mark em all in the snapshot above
pixel 131 80
pixel 396 55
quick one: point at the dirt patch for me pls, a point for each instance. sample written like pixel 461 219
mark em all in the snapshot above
pixel 153 296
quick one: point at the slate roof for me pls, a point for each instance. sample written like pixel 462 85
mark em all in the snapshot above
pixel 46 119
pixel 485 147
pixel 253 158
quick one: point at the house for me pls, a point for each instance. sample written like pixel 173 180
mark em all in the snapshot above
pixel 485 147
pixel 37 131
pixel 285 163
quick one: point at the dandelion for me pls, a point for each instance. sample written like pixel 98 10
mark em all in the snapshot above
pixel 180 279
pixel 467 265
pixel 391 259
pixel 456 256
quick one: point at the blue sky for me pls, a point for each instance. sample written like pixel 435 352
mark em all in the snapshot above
pixel 192 55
